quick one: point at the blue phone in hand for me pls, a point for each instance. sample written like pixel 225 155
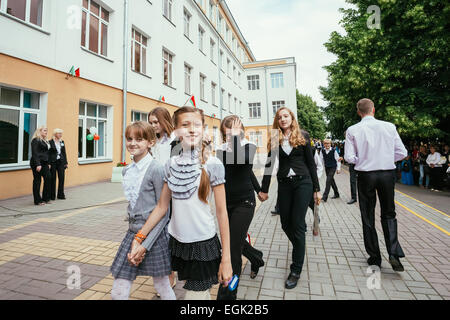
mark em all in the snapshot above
pixel 233 283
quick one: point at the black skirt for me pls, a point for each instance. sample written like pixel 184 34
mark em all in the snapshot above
pixel 197 262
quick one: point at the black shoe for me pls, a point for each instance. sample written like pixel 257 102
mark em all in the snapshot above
pixel 373 261
pixel 274 212
pixel 351 201
pixel 62 198
pixel 292 280
pixel 255 266
pixel 396 264
pixel 324 199
pixel 335 197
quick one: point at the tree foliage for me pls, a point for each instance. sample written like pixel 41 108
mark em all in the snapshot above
pixel 403 67
pixel 310 117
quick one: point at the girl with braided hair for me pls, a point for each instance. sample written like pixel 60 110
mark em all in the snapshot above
pixel 190 180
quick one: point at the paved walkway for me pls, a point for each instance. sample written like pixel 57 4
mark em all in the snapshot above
pixel 40 250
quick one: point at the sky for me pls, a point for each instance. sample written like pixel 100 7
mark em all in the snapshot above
pixel 292 28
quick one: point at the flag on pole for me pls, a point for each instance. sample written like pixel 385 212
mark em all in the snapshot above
pixel 73 72
pixel 77 73
pixel 192 101
pixel 162 98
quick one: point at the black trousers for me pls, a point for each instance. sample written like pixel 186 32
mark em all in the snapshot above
pixel 436 178
pixel 239 218
pixel 330 182
pixel 353 178
pixel 57 168
pixel 294 196
pixel 37 177
pixel 369 184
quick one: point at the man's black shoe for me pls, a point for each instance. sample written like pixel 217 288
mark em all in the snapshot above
pixel 396 264
pixel 335 197
pixel 324 199
pixel 274 212
pixel 372 261
pixel 292 280
pixel 351 201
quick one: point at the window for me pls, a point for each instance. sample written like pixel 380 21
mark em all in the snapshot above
pixel 187 79
pixel 167 9
pixel 139 116
pixel 240 108
pixel 215 137
pixel 228 67
pixel 213 93
pixel 19 117
pixel 220 25
pixel 234 44
pixel 167 68
pixel 92 115
pixel 201 34
pixel 26 10
pixel 229 102
pixel 227 40
pixel 239 79
pixel 187 22
pixel 221 59
pixel 211 11
pixel 202 87
pixel 138 52
pixel 253 82
pixel 94 27
pixel 212 47
pixel 256 138
pixel 234 73
pixel 222 98
pixel 254 110
pixel 235 106
pixel 277 105
pixel 277 80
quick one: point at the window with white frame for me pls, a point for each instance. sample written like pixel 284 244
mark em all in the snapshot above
pixel 139 116
pixel 233 42
pixel 94 27
pixel 212 49
pixel 277 80
pixel 20 111
pixel 254 110
pixel 167 67
pixel 228 67
pixel 220 27
pixel 187 22
pixel 240 108
pixel 221 59
pixel 92 116
pixel 201 36
pixel 235 105
pixel 138 52
pixel 253 82
pixel 222 98
pixel 202 87
pixel 229 102
pixel 213 93
pixel 234 73
pixel 29 11
pixel 211 10
pixel 255 137
pixel 187 79
pixel 277 105
pixel 227 34
pixel 239 78
pixel 167 9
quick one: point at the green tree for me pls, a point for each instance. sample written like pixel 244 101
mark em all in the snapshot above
pixel 403 67
pixel 310 117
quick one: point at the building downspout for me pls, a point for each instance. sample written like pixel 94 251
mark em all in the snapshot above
pixel 267 102
pixel 218 61
pixel 125 76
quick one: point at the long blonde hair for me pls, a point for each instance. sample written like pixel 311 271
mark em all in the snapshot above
pixel 295 139
pixel 37 134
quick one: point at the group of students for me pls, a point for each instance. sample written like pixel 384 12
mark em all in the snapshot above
pixel 170 184
pixel 48 160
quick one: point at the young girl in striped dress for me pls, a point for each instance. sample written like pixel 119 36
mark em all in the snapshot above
pixel 142 183
pixel 197 254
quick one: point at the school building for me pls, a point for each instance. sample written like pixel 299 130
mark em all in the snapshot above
pixel 132 56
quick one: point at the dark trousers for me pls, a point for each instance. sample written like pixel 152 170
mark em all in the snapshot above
pixel 37 177
pixel 330 182
pixel 294 196
pixel 369 184
pixel 57 168
pixel 239 218
pixel 353 176
pixel 436 178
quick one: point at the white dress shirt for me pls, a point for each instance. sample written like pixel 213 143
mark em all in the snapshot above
pixel 287 148
pixel 373 145
pixel 336 157
pixel 133 178
pixel 434 159
pixel 319 164
pixel 161 149
pixel 58 148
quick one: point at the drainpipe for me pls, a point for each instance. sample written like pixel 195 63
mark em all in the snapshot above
pixel 218 60
pixel 125 76
pixel 267 101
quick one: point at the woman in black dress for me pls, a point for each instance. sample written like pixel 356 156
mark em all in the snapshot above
pixel 40 165
pixel 237 156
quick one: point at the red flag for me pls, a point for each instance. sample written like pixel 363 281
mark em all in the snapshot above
pixel 163 99
pixel 193 102
pixel 77 73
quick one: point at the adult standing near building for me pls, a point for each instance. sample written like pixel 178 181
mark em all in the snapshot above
pixel 58 162
pixel 374 146
pixel 40 165
pixel 332 165
pixel 435 163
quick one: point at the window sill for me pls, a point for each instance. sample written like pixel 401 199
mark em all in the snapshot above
pixel 188 94
pixel 14 167
pixel 142 74
pixel 189 39
pixel 28 24
pixel 169 21
pixel 96 54
pixel 215 105
pixel 213 62
pixel 93 161
pixel 169 86
pixel 204 101
pixel 202 52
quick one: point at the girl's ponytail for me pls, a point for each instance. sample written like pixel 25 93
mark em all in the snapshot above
pixel 204 188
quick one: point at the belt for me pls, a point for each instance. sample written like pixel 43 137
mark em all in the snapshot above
pixel 291 178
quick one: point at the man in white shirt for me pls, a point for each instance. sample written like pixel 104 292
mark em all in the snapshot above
pixel 332 165
pixel 374 146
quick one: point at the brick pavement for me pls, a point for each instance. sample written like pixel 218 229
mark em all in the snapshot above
pixel 37 250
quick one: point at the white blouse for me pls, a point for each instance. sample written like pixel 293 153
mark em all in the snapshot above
pixel 161 149
pixel 132 179
pixel 434 159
